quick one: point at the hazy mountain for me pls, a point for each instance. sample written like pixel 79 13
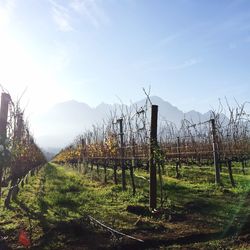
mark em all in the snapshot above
pixel 49 153
pixel 62 123
pixel 196 117
pixel 166 110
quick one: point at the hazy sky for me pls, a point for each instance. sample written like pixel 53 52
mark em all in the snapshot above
pixel 191 52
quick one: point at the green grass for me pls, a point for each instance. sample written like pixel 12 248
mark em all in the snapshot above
pixel 60 194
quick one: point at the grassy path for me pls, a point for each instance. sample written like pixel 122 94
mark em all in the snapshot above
pixel 58 197
pixel 53 204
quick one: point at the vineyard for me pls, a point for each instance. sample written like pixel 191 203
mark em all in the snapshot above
pixel 19 154
pixel 130 140
pixel 136 181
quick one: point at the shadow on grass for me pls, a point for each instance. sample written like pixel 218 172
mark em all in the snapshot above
pixel 73 234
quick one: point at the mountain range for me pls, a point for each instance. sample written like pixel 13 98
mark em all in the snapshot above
pixel 63 122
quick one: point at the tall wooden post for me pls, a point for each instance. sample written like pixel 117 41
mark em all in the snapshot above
pixel 153 146
pixel 215 153
pixel 122 154
pixel 5 99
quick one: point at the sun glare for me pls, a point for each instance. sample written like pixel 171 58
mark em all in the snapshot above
pixel 20 71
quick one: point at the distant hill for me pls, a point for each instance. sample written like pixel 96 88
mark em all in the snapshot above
pixel 48 155
pixel 62 123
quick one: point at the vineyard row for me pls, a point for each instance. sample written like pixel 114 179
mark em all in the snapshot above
pixel 138 139
pixel 19 154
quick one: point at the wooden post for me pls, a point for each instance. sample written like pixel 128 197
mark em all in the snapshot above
pixel 243 162
pixel 19 127
pixel 84 155
pixel 215 153
pixel 105 171
pixel 122 154
pixel 97 169
pixel 179 150
pixel 115 172
pixel 230 172
pixel 132 167
pixel 178 163
pixel 5 99
pixel 152 167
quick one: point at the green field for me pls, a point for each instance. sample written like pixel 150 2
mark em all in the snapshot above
pixel 53 207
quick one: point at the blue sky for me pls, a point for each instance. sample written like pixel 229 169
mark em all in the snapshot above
pixel 190 52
